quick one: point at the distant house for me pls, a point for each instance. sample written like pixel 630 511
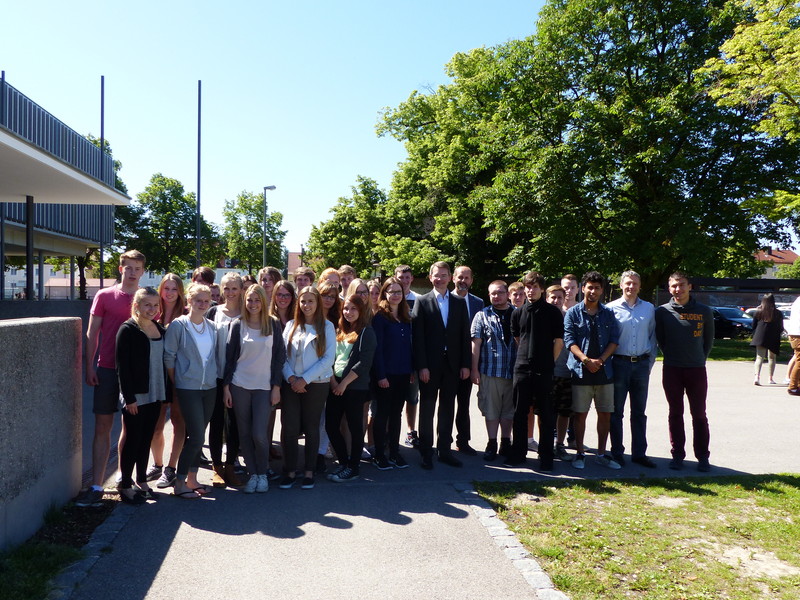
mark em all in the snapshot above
pixel 772 259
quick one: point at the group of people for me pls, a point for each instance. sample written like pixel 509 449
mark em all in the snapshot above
pixel 343 357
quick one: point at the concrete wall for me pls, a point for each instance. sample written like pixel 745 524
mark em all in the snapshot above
pixel 40 421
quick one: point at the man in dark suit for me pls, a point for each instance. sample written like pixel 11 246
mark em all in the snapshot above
pixel 462 282
pixel 442 357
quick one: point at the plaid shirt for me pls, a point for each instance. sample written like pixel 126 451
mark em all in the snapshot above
pixel 497 356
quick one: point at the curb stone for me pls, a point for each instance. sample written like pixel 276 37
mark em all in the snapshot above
pixel 65 583
pixel 530 569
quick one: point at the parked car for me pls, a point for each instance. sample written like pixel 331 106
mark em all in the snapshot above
pixel 731 322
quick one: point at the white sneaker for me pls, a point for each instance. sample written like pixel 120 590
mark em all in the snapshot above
pixel 533 445
pixel 263 484
pixel 579 461
pixel 607 461
pixel 251 484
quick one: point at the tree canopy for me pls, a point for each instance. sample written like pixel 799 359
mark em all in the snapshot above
pixel 591 144
pixel 243 231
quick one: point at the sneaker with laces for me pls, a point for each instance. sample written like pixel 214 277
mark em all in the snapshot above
pixel 167 478
pixel 412 439
pixel 90 497
pixel 346 474
pixel 562 454
pixel 607 460
pixel 579 461
pixel 263 484
pixel 250 486
pixel 154 473
pixel 381 463
pixel 330 476
pixel 398 461
pixel 286 482
pixel 533 445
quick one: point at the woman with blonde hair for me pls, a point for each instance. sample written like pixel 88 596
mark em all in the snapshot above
pixel 172 304
pixel 223 421
pixel 190 355
pixel 252 381
pixel 310 351
pixel 140 370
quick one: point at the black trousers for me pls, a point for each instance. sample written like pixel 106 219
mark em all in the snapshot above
pixel 462 412
pixel 387 422
pixel 442 386
pixel 533 389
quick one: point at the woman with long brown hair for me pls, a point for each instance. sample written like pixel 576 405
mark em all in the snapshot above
pixel 172 304
pixel 310 351
pixel 767 330
pixel 393 371
pixel 355 349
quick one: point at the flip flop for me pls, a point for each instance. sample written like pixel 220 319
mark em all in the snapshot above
pixel 200 490
pixel 187 495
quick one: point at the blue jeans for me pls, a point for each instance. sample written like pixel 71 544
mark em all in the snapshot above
pixel 630 378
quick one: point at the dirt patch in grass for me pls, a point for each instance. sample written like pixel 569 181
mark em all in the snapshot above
pixel 704 538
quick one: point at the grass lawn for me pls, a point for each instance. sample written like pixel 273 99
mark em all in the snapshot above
pixel 694 538
pixel 741 350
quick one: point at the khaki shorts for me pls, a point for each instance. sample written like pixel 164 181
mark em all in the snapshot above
pixel 496 398
pixel 603 396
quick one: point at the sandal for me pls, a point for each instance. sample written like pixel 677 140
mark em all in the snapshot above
pixel 187 495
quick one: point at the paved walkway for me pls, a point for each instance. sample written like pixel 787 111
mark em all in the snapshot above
pixel 396 534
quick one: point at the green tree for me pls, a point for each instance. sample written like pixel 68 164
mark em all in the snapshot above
pixel 593 145
pixel 244 231
pixel 791 271
pixel 760 63
pixel 168 237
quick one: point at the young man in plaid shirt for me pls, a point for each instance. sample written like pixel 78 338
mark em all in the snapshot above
pixel 493 355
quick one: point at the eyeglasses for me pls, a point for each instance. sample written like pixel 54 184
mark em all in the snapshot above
pixel 284 296
pixel 394 292
pixel 363 293
pixel 330 297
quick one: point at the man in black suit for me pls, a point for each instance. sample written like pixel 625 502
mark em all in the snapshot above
pixel 442 357
pixel 462 282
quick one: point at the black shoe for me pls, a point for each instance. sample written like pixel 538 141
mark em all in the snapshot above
pixel 546 465
pixel 676 464
pixel 491 451
pixel 308 483
pixel 703 466
pixel 619 459
pixel 644 461
pixel 427 462
pixel 505 447
pixel 321 466
pixel 465 448
pixel 136 499
pixel 448 459
pixel 793 391
pixel 203 460
pixel 514 461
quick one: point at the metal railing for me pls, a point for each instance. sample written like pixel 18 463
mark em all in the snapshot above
pixel 92 223
pixel 24 118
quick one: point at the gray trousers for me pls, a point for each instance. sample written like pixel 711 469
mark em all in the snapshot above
pixel 196 406
pixel 253 408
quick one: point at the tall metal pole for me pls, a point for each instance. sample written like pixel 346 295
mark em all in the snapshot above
pixel 264 230
pixel 197 231
pixel 29 220
pixel 102 128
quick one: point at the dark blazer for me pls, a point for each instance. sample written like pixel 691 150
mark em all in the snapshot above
pixel 474 304
pixel 430 338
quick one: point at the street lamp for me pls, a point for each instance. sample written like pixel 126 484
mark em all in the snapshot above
pixel 264 231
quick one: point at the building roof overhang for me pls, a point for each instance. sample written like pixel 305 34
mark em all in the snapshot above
pixel 25 170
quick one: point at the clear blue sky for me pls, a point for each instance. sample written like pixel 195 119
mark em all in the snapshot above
pixel 291 90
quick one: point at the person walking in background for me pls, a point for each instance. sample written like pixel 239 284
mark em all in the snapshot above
pixel 190 355
pixel 254 357
pixel 767 330
pixel 793 331
pixel 685 334
pixel 140 369
pixel 310 351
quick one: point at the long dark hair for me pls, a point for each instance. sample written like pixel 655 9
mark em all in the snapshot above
pixel 766 311
pixel 348 331
pixel 403 313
